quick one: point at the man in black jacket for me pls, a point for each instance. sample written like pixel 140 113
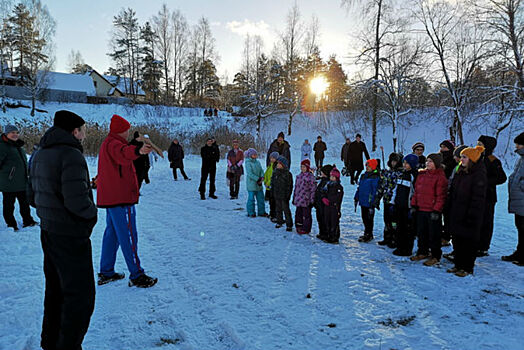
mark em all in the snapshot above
pixel 344 154
pixel 175 155
pixel 280 146
pixel 210 157
pixel 355 151
pixel 496 176
pixel 142 164
pixel 319 148
pixel 60 191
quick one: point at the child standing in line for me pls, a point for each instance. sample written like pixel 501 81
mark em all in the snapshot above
pixel 282 187
pixel 386 190
pixel 368 199
pixel 332 201
pixel 303 197
pixel 267 182
pixel 404 220
pixel 428 200
pixel 254 178
pixel 320 192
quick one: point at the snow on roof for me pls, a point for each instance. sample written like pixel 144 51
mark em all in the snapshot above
pixel 70 82
pixel 123 84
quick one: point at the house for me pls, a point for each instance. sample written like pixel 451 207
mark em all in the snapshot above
pixel 104 88
pixel 123 84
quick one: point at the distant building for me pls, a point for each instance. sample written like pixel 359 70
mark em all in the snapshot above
pixel 104 88
pixel 123 84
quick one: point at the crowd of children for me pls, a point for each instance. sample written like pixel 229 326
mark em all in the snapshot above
pixel 434 199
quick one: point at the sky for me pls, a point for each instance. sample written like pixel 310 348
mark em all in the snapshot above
pixel 85 26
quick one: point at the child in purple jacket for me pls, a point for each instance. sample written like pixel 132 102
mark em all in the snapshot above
pixel 304 197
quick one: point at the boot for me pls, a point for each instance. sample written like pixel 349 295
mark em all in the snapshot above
pixel 400 252
pixel 513 257
pixel 143 281
pixel 213 196
pixel 462 273
pixel 452 270
pixel 419 257
pixel 102 279
pixel 431 262
pixel 365 238
pixel 202 196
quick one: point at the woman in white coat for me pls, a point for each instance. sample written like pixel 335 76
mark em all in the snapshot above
pixel 306 150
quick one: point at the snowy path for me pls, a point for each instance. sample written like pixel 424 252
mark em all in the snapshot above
pixel 231 282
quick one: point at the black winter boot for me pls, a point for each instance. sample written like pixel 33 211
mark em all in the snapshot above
pixel 102 279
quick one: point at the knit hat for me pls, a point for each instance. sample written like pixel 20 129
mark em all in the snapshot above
pixel 250 152
pixel 118 124
pixel 436 158
pixel 372 163
pixel 10 128
pixel 395 157
pixel 489 143
pixel 326 169
pixel 459 149
pixel 418 145
pixel 281 134
pixel 283 160
pixel 519 139
pixel 235 141
pixel 473 153
pixel 448 144
pixel 412 160
pixel 306 163
pixel 274 155
pixel 334 172
pixel 67 120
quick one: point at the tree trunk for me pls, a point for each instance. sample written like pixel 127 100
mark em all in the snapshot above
pixel 33 104
pixel 259 118
pixel 291 115
pixel 377 66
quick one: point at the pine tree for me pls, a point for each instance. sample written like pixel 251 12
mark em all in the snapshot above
pixel 151 67
pixel 337 91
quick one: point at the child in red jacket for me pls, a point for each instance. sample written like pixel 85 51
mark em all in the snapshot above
pixel 428 202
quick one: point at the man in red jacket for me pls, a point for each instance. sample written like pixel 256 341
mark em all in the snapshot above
pixel 117 191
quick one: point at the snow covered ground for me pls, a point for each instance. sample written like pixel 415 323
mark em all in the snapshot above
pixel 230 282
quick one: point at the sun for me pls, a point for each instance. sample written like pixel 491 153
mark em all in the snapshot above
pixel 318 85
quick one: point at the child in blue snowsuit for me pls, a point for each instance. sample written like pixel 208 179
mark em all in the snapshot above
pixel 254 180
pixel 368 198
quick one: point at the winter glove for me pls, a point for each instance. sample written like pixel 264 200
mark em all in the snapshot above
pixel 325 201
pixel 233 168
pixel 371 211
pixel 434 216
pixel 259 182
pixel 412 211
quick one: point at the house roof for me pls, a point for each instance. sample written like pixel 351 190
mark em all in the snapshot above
pixel 70 82
pixel 123 83
pixel 112 90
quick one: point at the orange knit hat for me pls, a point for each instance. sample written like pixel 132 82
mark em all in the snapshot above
pixel 473 153
pixel 373 164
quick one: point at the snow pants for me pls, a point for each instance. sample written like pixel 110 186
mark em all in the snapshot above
pixel 389 229
pixel 465 253
pixel 519 223
pixel 120 231
pixel 282 209
pixel 69 291
pixel 303 220
pixel 486 232
pixel 368 219
pixel 272 206
pixel 8 204
pixel 404 235
pixel 261 204
pixel 332 221
pixel 428 232
pixel 322 230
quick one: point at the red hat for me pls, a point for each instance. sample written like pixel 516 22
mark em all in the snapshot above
pixel 118 124
pixel 335 173
pixel 373 164
pixel 306 163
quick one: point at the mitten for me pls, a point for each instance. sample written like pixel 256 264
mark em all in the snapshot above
pixel 259 182
pixel 325 201
pixel 435 216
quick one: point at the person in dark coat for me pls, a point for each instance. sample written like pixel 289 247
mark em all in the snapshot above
pixel 496 176
pixel 403 217
pixel 418 150
pixel 320 192
pixel 282 188
pixel 447 149
pixel 280 146
pixel 319 148
pixel 516 201
pixel 13 177
pixel 60 191
pixel 466 200
pixel 210 157
pixel 356 149
pixel 175 155
pixel 344 154
pixel 141 164
pixel 235 169
pixel 333 193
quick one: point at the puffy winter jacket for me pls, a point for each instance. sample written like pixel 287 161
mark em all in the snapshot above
pixel 516 187
pixel 305 187
pixel 210 156
pixel 117 183
pixel 305 150
pixel 268 174
pixel 13 165
pixel 334 192
pixel 496 174
pixel 59 186
pixel 284 149
pixel 281 184
pixel 466 203
pixel 175 155
pixel 430 190
pixel 367 191
pixel 404 189
pixel 388 184
pixel 253 173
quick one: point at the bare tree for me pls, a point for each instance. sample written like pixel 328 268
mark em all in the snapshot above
pixel 206 46
pixel 6 53
pixel 74 60
pixel 180 32
pixel 312 36
pixel 376 9
pixel 162 26
pixel 458 46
